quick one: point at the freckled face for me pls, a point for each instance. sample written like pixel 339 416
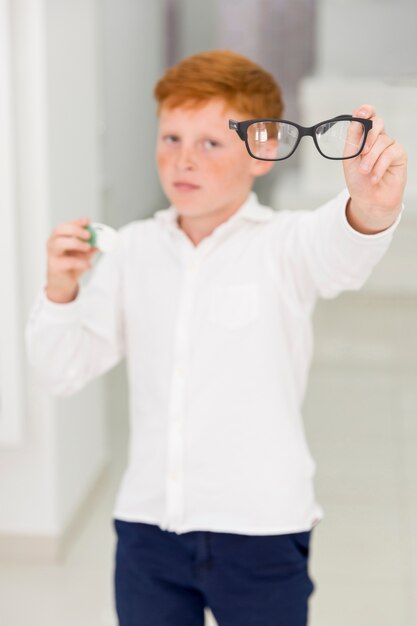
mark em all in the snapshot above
pixel 203 166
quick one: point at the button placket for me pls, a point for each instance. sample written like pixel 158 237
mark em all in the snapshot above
pixel 175 478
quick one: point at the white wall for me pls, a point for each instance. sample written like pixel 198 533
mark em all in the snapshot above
pixel 367 53
pixel 44 478
pixel 26 489
pixel 83 74
pixel 11 408
pixel 132 45
pixel 198 26
pixel 374 38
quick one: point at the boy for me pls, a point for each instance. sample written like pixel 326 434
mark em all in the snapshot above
pixel 211 301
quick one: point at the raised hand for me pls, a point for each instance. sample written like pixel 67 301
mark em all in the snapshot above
pixel 376 178
pixel 69 256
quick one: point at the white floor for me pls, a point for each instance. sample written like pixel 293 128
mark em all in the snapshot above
pixel 361 421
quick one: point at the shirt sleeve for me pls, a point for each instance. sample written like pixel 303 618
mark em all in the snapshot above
pixel 70 344
pixel 324 255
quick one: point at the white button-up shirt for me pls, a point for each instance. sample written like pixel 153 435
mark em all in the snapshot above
pixel 218 341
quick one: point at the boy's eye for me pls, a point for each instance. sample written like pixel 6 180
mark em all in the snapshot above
pixel 170 138
pixel 208 144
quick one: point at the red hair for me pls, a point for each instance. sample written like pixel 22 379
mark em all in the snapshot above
pixel 220 74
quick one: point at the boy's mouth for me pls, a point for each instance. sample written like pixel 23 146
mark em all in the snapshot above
pixel 184 186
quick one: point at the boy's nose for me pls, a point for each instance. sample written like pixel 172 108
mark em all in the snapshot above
pixel 186 158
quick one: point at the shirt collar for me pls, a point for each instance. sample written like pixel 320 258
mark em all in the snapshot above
pixel 250 210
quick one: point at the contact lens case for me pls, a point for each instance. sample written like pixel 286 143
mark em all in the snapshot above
pixel 102 236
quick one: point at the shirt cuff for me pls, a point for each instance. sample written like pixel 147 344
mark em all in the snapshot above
pixel 344 197
pixel 55 311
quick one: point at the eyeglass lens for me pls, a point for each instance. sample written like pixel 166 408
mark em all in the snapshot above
pixel 277 140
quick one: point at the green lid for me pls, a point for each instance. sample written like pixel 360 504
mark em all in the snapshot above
pixel 93 236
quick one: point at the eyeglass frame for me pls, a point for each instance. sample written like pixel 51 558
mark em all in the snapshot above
pixel 242 130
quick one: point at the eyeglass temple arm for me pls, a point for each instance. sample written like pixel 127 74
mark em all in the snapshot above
pixel 233 125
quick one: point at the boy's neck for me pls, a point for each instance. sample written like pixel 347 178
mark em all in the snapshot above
pixel 198 227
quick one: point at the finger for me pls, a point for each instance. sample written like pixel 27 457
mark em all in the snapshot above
pixel 365 110
pixel 62 244
pixel 75 229
pixel 376 130
pixel 382 143
pixel 393 156
pixel 354 138
pixel 68 263
pixel 81 255
pixel 80 221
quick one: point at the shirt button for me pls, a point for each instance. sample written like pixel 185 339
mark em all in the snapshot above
pixel 173 475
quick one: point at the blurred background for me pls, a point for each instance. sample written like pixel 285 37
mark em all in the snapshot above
pixel 77 129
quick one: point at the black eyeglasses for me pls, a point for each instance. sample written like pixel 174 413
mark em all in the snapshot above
pixel 339 138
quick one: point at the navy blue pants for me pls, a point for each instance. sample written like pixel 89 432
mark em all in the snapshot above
pixel 166 579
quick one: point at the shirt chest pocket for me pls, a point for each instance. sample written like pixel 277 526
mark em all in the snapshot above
pixel 234 306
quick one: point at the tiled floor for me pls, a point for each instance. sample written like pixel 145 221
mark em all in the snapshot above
pixel 361 421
